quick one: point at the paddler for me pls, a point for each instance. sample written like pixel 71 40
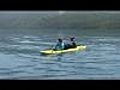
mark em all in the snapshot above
pixel 60 45
pixel 73 42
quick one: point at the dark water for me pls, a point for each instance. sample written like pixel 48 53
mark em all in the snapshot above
pixel 20 57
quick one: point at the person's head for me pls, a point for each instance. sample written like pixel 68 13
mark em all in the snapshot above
pixel 72 38
pixel 60 40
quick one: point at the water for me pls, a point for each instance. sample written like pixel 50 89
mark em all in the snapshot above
pixel 20 57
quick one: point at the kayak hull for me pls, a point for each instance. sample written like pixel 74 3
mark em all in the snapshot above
pixel 48 52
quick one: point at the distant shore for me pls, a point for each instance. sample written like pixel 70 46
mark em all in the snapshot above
pixel 60 19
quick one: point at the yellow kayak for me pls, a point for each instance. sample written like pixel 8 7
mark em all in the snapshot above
pixel 81 47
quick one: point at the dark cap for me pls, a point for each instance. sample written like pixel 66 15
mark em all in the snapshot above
pixel 72 38
pixel 60 40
